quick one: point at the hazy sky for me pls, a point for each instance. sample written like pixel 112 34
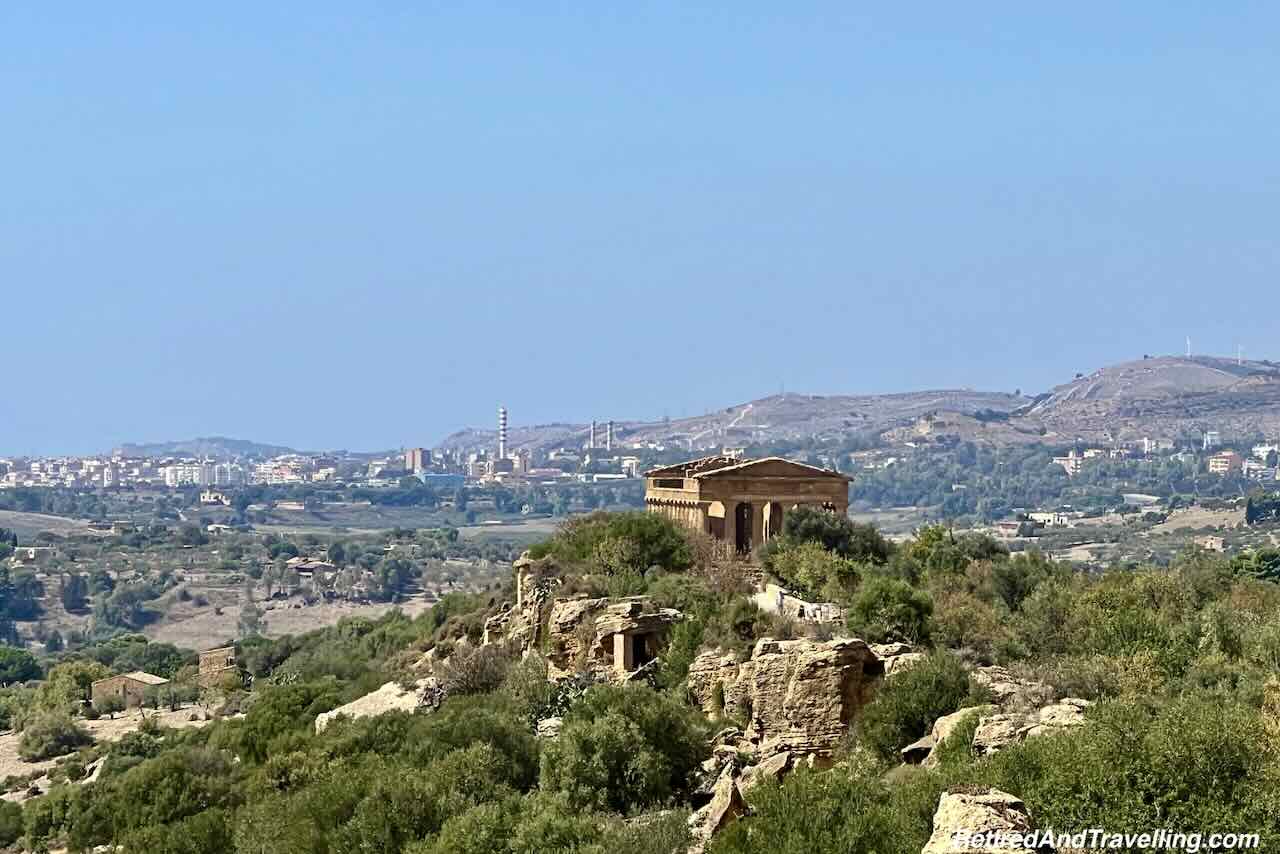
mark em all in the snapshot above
pixel 365 225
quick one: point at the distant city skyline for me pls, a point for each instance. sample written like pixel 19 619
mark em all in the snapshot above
pixel 329 227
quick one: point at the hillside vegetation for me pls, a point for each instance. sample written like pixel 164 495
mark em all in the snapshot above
pixel 1180 663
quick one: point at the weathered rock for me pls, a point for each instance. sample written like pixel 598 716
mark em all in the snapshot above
pixel 725 807
pixel 550 727
pixel 899 663
pixel 1010 692
pixel 889 650
pixel 918 751
pixel 798 695
pixel 609 637
pixel 996 732
pixel 391 697
pixel 804 694
pixel 945 725
pixel 521 624
pixel 772 768
pixel 711 676
pixel 984 812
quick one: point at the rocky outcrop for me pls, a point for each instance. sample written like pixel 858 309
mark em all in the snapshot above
pixel 922 751
pixel 797 695
pixel 964 813
pixel 999 726
pixel 996 732
pixel 896 657
pixel 611 638
pixel 391 697
pixel 1062 714
pixel 1010 692
pixel 770 769
pixel 521 624
pixel 711 675
pixel 726 806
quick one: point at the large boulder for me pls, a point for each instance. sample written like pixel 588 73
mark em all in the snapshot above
pixel 896 657
pixel 772 768
pixel 944 726
pixel 796 695
pixel 1064 714
pixel 725 807
pixel 996 732
pixel 1011 692
pixel 712 674
pixel 960 815
pixel 391 697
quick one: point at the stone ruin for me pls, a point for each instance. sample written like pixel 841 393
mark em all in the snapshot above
pixel 612 638
pixel 536 581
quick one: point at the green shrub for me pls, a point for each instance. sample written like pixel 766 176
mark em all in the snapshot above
pixel 905 707
pixel 623 748
pixel 834 533
pixel 888 609
pixel 615 542
pixel 812 571
pixel 1188 763
pixel 10 822
pixel 51 735
pixel 207 832
pixel 17 665
pixel 839 811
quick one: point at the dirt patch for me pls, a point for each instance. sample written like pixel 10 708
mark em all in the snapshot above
pixel 102 730
pixel 1197 518
pixel 203 628
pixel 27 525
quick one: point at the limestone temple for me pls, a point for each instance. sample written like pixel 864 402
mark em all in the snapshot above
pixel 742 503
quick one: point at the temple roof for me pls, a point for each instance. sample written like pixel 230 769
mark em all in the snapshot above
pixel 715 466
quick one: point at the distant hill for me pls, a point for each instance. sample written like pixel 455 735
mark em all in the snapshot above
pixel 208 446
pixel 1164 397
pixel 781 417
pixel 1168 397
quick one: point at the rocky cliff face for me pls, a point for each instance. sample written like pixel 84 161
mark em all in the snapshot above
pixel 798 696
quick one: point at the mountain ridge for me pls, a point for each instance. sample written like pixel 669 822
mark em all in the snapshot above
pixel 1167 397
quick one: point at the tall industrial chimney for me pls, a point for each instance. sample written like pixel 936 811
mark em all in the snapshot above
pixel 592 442
pixel 502 432
pixel 608 436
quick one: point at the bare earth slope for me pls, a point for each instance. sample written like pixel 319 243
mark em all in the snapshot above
pixel 1164 397
pixel 777 418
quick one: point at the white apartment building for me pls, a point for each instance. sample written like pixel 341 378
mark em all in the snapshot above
pixel 188 474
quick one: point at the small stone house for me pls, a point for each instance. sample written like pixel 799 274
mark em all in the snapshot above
pixel 131 688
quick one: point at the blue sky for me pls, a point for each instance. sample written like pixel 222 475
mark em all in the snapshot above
pixel 365 225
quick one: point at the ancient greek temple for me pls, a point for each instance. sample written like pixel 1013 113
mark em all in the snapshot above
pixel 742 503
